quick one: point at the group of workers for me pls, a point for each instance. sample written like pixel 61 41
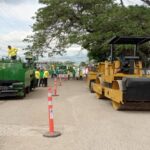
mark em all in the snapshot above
pixel 70 73
pixel 41 76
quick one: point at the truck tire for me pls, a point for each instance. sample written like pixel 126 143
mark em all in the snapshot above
pixel 24 93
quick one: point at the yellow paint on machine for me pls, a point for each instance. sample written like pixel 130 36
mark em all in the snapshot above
pixel 97 88
pixel 113 94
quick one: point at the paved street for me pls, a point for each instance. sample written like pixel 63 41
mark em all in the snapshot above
pixel 85 122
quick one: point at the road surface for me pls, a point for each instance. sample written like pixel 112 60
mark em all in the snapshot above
pixel 85 122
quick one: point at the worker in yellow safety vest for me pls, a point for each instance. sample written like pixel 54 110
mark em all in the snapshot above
pixel 37 77
pixel 46 75
pixel 12 52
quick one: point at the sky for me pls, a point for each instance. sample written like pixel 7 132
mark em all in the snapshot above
pixel 15 24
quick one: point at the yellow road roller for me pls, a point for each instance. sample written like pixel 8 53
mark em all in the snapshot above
pixel 121 78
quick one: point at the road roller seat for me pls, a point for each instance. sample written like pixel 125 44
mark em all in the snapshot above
pixel 131 60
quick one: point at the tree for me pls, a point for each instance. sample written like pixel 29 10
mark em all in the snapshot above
pixel 90 23
pixel 119 21
pixel 65 22
pixel 146 1
pixel 122 3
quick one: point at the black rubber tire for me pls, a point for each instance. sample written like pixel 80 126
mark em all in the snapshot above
pixel 24 93
pixel 27 90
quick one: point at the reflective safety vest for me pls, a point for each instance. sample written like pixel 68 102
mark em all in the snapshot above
pixel 37 74
pixel 12 52
pixel 46 74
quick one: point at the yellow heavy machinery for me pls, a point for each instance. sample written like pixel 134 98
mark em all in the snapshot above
pixel 122 80
pixel 92 75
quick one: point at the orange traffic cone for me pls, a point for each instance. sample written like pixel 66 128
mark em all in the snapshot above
pixel 51 132
pixel 55 87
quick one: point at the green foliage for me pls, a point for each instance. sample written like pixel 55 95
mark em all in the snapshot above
pixel 90 23
pixel 133 20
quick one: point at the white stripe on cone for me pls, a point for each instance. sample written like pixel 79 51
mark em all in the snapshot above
pixel 51 114
pixel 50 103
pixel 49 94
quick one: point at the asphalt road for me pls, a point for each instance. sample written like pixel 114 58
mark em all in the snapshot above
pixel 85 122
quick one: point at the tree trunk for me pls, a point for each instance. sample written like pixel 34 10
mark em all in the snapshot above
pixel 122 3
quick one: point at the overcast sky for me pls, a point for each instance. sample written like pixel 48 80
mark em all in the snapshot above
pixel 16 22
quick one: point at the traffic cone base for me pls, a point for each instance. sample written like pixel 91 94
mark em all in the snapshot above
pixel 52 135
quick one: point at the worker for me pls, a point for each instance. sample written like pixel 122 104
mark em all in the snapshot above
pixel 77 73
pixel 68 74
pixel 12 52
pixel 37 77
pixel 52 71
pixel 86 72
pixel 41 77
pixel 57 72
pixel 46 75
pixel 80 74
pixel 73 72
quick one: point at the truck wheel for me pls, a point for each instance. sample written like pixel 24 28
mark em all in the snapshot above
pixel 24 93
pixel 27 90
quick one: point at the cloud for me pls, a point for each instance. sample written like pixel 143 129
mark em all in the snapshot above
pixel 22 12
pixel 15 21
pixel 130 2
pixel 14 2
pixel 14 36
pixel 75 54
pixel 15 39
pixel 76 59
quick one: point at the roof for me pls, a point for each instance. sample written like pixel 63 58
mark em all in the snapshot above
pixel 129 40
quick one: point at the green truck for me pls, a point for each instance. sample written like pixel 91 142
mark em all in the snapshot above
pixel 16 78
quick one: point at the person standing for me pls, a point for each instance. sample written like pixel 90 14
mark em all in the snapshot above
pixel 86 72
pixel 68 74
pixel 46 75
pixel 37 77
pixel 73 72
pixel 41 77
pixel 57 72
pixel 77 73
pixel 12 52
pixel 80 74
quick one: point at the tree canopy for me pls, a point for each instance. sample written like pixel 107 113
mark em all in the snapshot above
pixel 89 23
